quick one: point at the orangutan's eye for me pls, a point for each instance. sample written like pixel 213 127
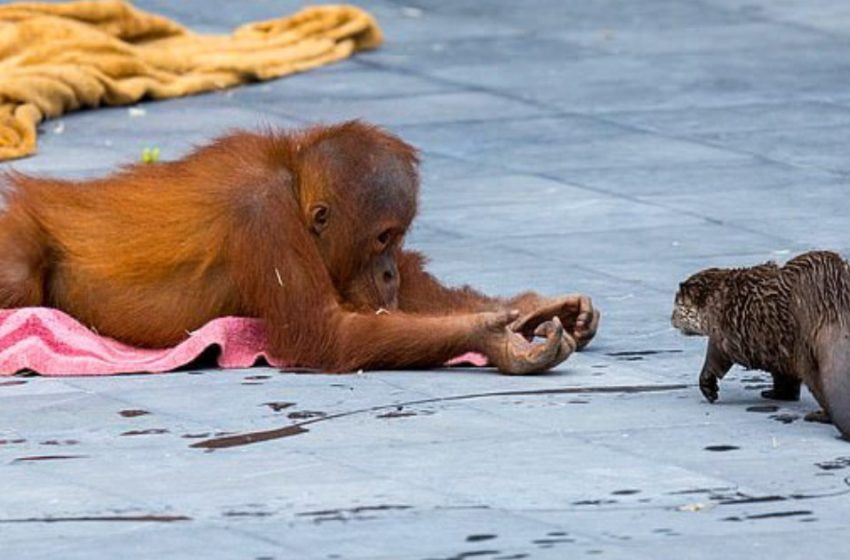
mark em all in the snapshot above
pixel 384 238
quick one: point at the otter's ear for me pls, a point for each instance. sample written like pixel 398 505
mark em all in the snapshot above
pixel 319 216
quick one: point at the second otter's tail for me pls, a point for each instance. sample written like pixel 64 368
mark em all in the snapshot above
pixel 834 365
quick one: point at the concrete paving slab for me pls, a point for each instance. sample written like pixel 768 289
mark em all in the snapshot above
pixel 606 147
pixel 821 147
pixel 750 175
pixel 426 108
pixel 745 118
pixel 553 145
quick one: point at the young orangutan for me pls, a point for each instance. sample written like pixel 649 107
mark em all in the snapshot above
pixel 791 321
pixel 302 229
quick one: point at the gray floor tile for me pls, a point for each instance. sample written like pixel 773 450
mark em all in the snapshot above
pixel 426 108
pixel 607 147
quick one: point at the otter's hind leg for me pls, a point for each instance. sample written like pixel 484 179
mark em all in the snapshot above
pixel 785 388
pixel 819 416
pixel 831 384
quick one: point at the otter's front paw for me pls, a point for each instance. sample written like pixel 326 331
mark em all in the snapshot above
pixel 708 386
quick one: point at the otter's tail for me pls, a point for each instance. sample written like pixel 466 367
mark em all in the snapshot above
pixel 834 365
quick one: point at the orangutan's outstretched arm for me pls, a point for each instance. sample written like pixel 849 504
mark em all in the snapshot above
pixel 420 292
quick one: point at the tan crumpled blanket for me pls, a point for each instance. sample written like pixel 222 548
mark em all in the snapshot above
pixel 56 58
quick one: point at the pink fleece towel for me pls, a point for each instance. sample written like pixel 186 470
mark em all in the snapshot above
pixel 50 342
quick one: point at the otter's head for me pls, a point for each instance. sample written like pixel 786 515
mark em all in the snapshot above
pixel 690 309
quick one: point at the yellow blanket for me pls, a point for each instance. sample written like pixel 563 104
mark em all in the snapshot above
pixel 56 58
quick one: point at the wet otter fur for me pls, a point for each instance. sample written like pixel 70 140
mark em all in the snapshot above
pixel 791 321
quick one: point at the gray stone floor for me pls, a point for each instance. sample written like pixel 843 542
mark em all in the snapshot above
pixel 611 147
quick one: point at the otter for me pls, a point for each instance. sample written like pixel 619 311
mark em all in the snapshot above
pixel 792 321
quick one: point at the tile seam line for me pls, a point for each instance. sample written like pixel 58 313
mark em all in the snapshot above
pixel 471 500
pixel 342 98
pixel 205 425
pixel 454 90
pixel 691 467
pixel 824 102
pixel 746 18
pixel 593 53
pixel 767 18
pixel 630 198
pixel 519 118
pixel 139 376
pixel 557 112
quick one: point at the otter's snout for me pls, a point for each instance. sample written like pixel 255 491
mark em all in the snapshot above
pixel 686 321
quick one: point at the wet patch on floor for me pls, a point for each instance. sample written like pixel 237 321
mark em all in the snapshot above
pixel 149 432
pixel 360 513
pixel 255 379
pixel 771 515
pixel 306 414
pixel 278 406
pixel 551 542
pixel 597 502
pixel 133 413
pixel 224 442
pixel 480 537
pixel 732 497
pixel 102 518
pixel 241 513
pixel 470 554
pixel 758 387
pixel 37 458
pixel 721 448
pixel 785 418
pixel 755 382
pixel 638 355
pixel 402 412
pixel 552 539
pixel 836 464
pixel 315 417
pixel 763 408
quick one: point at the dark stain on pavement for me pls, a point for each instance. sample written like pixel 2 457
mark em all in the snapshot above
pixel 278 406
pixel 721 448
pixel 35 458
pixel 295 429
pixel 107 518
pixel 150 432
pixel 770 515
pixel 763 408
pixel 133 412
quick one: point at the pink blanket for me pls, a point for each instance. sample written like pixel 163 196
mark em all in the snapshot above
pixel 50 342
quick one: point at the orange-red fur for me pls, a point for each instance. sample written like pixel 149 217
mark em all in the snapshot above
pixel 152 252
